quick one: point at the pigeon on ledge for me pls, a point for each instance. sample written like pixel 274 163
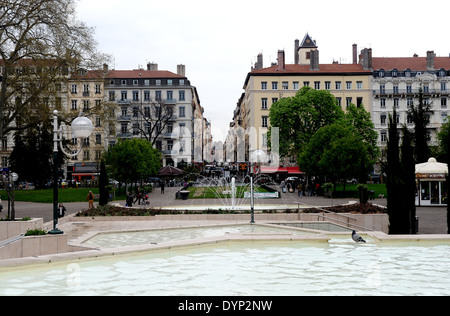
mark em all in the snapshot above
pixel 357 238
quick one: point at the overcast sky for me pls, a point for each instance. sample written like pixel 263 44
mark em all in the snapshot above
pixel 219 41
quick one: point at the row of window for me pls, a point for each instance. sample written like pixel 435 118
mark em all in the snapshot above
pixel 348 100
pixel 147 82
pixel 147 95
pixel 74 89
pixel 86 104
pixel 410 102
pixel 147 112
pixel 409 118
pixel 407 73
pixel 409 89
pixel 384 136
pixel 146 127
pixel 338 85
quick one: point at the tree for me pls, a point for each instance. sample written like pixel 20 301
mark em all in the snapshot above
pixel 103 182
pixel 41 43
pixel 400 185
pixel 409 177
pixel 299 117
pixel 394 181
pixel 156 117
pixel 32 156
pixel 360 119
pixel 335 152
pixel 133 160
pixel 420 118
pixel 448 185
pixel 444 146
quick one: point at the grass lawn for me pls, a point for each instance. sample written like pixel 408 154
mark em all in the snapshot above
pixel 216 192
pixel 46 195
pixel 351 190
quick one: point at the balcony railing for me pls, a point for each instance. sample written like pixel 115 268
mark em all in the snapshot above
pixel 170 135
pixel 399 92
pixel 170 152
pixel 170 101
pixel 123 118
pixel 124 135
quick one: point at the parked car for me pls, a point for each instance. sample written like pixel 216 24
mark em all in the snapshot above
pixel 292 179
pixel 114 183
pixel 155 180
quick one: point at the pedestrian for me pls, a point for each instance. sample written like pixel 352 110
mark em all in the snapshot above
pixel 130 200
pixel 62 210
pixel 300 190
pixel 163 185
pixel 90 198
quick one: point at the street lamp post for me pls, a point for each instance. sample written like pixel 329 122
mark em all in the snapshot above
pixel 258 157
pixel 82 128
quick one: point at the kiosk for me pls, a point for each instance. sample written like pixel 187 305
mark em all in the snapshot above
pixel 431 183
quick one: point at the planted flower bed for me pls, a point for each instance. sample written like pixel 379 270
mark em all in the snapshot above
pixel 352 209
pixel 113 210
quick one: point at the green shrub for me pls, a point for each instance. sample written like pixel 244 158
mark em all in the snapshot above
pixel 35 232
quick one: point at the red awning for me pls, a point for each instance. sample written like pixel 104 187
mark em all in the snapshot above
pixel 281 170
pixel 294 170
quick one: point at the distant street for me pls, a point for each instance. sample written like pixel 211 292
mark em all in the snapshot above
pixel 433 220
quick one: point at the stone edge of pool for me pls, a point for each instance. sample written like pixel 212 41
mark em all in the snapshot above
pixel 316 236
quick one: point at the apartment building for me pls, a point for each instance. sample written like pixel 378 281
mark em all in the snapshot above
pixel 349 83
pixel 397 83
pixel 160 106
pixel 86 96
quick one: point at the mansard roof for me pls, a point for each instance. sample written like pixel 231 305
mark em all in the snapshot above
pixel 140 73
pixel 292 69
pixel 412 63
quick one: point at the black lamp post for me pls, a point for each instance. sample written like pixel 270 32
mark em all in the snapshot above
pixel 258 157
pixel 82 127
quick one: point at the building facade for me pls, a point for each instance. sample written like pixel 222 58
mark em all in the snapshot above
pixel 349 83
pixel 160 106
pixel 86 96
pixel 398 82
pixel 157 105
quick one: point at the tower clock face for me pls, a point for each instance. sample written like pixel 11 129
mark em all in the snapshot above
pixel 308 41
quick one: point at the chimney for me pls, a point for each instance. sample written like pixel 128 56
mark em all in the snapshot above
pixel 181 70
pixel 314 60
pixel 105 68
pixel 430 60
pixel 281 61
pixel 152 66
pixel 259 63
pixel 260 60
pixel 366 58
pixel 355 53
pixel 296 48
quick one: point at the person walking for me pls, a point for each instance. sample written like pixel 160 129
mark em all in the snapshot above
pixel 90 198
pixel 283 186
pixel 163 185
pixel 300 190
pixel 61 210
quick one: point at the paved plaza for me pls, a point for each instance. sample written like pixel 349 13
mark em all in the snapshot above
pixel 433 220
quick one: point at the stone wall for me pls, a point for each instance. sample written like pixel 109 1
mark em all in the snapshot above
pixel 35 246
